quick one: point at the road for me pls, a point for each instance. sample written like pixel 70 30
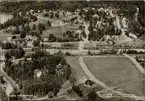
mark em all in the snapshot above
pixel 137 65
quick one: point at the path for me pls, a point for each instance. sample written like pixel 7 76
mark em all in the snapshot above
pixel 9 79
pixel 137 65
pixel 91 76
pixel 11 83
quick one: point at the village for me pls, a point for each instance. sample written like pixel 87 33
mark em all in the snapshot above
pixel 82 53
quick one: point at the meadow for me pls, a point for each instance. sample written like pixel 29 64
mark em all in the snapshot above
pixel 117 72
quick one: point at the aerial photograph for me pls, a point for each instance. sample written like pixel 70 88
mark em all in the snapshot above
pixel 85 50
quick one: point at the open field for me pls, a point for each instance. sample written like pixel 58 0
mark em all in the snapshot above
pixel 76 68
pixel 118 72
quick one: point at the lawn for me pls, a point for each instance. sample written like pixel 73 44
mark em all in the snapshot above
pixel 117 72
pixel 58 31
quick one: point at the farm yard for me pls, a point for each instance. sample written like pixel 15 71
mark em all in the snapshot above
pixel 117 72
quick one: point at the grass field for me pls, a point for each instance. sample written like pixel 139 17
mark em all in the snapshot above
pixel 76 68
pixel 57 31
pixel 117 72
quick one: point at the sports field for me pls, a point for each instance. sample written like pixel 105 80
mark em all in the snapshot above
pixel 117 72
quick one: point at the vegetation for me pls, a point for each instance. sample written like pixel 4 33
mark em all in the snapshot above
pixel 77 90
pixel 36 42
pixel 116 68
pixel 41 27
pixel 17 53
pixel 131 51
pixel 15 21
pixel 93 96
pixel 55 71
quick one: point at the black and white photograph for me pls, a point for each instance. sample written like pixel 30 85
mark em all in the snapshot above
pixel 79 50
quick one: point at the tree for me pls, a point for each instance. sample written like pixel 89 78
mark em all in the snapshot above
pixel 34 18
pixel 89 52
pixel 93 96
pixel 41 27
pixel 21 52
pixel 49 23
pixel 7 56
pixel 34 27
pixel 27 27
pixel 57 15
pixel 36 42
pixel 6 45
pixel 22 34
pixel 52 38
pixel 78 90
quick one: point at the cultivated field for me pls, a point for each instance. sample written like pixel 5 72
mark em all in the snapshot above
pixel 118 72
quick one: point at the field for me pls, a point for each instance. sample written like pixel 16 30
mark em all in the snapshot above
pixel 76 68
pixel 118 72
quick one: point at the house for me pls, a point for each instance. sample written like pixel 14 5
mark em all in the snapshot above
pixel 37 73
